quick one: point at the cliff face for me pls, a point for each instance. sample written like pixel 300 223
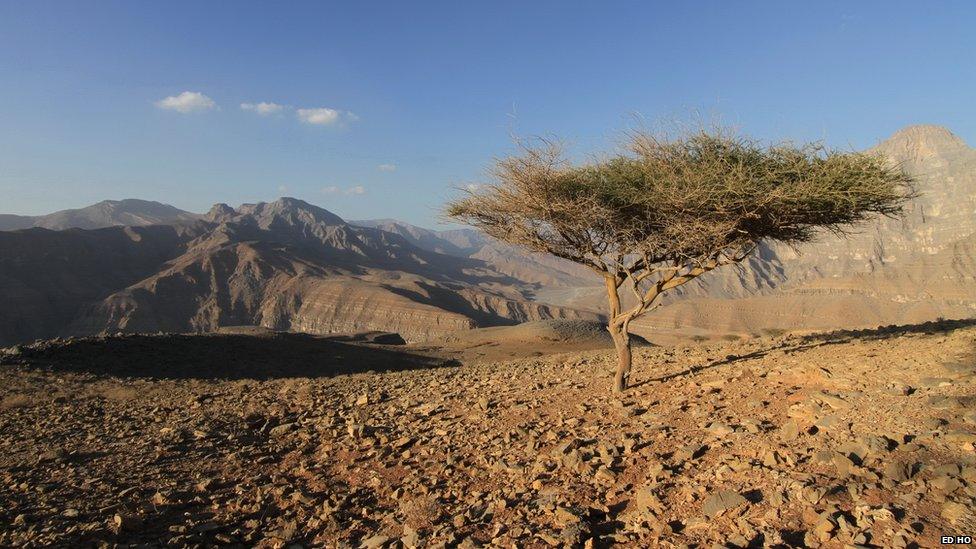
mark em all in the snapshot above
pixel 914 268
pixel 285 265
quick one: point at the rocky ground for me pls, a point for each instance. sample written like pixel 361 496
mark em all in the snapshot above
pixel 842 440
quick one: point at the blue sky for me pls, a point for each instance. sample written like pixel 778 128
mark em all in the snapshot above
pixel 385 106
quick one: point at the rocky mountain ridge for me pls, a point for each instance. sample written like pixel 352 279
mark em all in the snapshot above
pixel 291 265
pixel 914 268
pixel 285 265
pixel 107 213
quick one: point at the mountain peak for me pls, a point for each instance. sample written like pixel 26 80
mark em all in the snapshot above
pixel 922 141
pixel 285 210
pixel 219 212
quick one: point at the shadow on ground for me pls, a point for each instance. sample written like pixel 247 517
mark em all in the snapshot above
pixel 801 343
pixel 220 356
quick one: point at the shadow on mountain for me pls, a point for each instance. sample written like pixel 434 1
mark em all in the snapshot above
pixel 221 356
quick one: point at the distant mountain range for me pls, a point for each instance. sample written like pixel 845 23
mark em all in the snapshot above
pixel 286 265
pixel 108 213
pixel 291 265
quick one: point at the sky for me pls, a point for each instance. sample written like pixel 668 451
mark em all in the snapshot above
pixel 383 109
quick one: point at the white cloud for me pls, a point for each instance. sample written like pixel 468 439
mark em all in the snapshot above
pixel 320 117
pixel 331 189
pixel 472 187
pixel 386 167
pixel 282 188
pixel 358 189
pixel 186 102
pixel 263 108
pixel 323 116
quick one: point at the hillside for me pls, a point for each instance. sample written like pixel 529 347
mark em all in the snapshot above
pixel 285 265
pixel 242 270
pixel 542 270
pixel 107 213
pixel 912 269
pixel 834 440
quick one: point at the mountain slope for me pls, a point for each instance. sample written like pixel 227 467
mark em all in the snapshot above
pixel 108 213
pixel 286 265
pixel 543 271
pixel 911 269
pixel 46 276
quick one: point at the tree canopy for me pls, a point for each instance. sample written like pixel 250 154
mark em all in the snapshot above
pixel 665 211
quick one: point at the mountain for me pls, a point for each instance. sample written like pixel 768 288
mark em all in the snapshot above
pixel 284 265
pixel 544 271
pixel 918 267
pixel 108 213
pixel 915 268
pixel 291 265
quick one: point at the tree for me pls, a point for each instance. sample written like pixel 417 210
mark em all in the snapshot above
pixel 668 210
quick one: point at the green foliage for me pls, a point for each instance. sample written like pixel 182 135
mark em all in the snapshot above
pixel 679 199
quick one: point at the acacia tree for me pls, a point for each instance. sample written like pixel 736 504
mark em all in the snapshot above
pixel 668 210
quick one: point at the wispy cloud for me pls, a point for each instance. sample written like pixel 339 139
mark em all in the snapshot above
pixel 186 102
pixel 282 188
pixel 386 167
pixel 324 116
pixel 356 190
pixel 472 187
pixel 263 108
pixel 319 117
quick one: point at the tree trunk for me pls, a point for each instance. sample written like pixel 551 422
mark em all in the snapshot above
pixel 621 341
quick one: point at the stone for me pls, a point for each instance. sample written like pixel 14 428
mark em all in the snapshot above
pixel 689 452
pixel 410 538
pixel 955 512
pixel 899 471
pixel 960 437
pixel 789 431
pixel 572 534
pixel 719 429
pixel 721 502
pixel 282 429
pixel 564 516
pixel 824 528
pixel 835 402
pixel 603 474
pixel 945 484
pixel 646 500
pixel 843 464
pixel 374 542
pixel 125 523
pixel 403 443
